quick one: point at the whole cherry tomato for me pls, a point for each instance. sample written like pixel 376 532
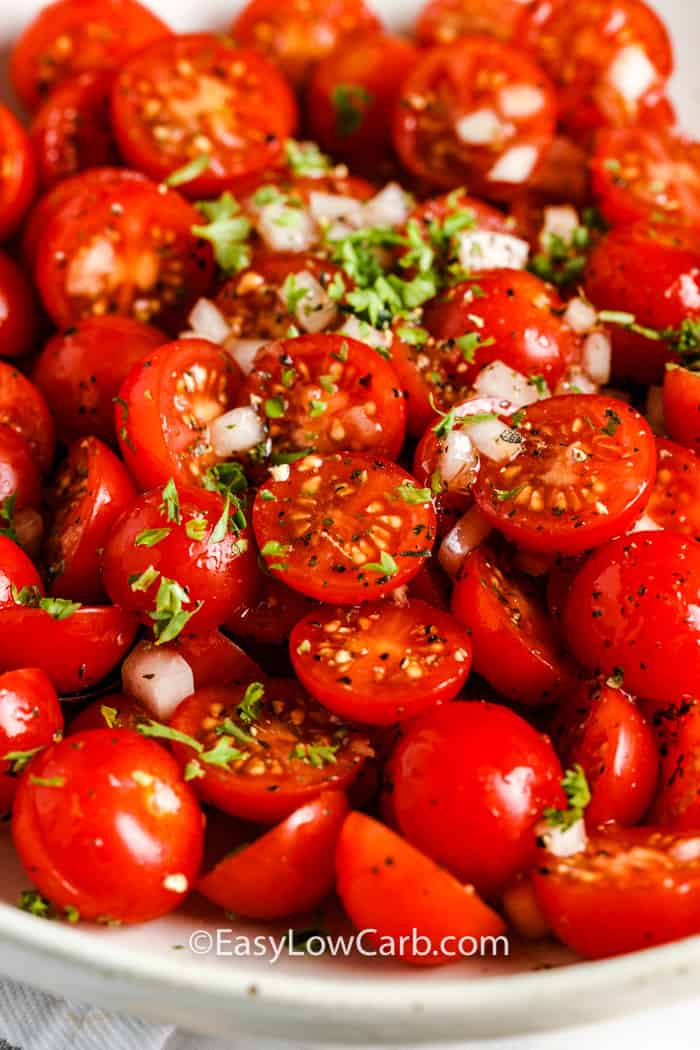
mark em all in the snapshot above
pixel 681 399
pixel 19 310
pixel 22 407
pixel 17 572
pixel 30 719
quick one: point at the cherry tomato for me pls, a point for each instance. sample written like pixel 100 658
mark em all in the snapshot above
pixel 81 369
pixel 193 95
pixel 289 870
pixel 325 393
pixel 90 491
pixel 582 474
pixel 19 310
pixel 18 178
pixel 296 35
pixel 104 825
pixel 629 889
pixel 20 480
pixel 451 784
pixel 515 647
pixel 71 131
pixel 182 554
pixel 563 174
pixel 164 409
pixel 380 663
pixel 478 112
pixel 74 36
pixel 675 498
pixel 23 409
pixel 270 616
pixel 388 887
pixel 17 571
pixel 122 245
pixel 452 496
pixel 355 522
pixel 296 750
pixel 632 609
pixel 30 719
pixel 115 711
pixel 677 802
pixel 215 659
pixel 681 400
pixel 442 21
pixel 431 585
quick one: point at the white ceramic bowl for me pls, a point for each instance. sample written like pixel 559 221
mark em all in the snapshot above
pixel 149 970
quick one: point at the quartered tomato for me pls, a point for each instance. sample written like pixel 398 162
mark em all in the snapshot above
pixel 20 480
pixel 198 95
pixel 629 889
pixel 581 475
pixel 30 719
pixel 677 802
pixel 392 891
pixel 270 616
pixel 675 497
pixel 298 34
pixel 17 571
pixel 23 409
pixel 164 409
pixel 344 527
pixel 323 393
pixel 264 750
pixel 442 21
pixel 475 112
pixel 18 178
pixel 632 609
pixel 105 826
pixel 19 310
pixel 681 400
pixel 90 491
pixel 288 870
pixel 515 647
pixel 380 662
pixel 120 244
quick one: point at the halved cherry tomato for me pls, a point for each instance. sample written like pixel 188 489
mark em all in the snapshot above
pixel 81 369
pixel 343 527
pixel 288 870
pixel 30 719
pixel 18 178
pixel 199 95
pixel 17 571
pixel 632 609
pixel 90 491
pixel 114 711
pixel 19 310
pixel 442 21
pixel 475 112
pixel 677 802
pixel 270 616
pixel 630 889
pixel 380 662
pixel 324 393
pixel 71 131
pixel 298 34
pixel 681 399
pixel 75 648
pixel 120 244
pixel 559 579
pixel 215 659
pixel 393 890
pixel 296 748
pixel 23 409
pixel 515 648
pixel 583 474
pixel 164 409
pixel 20 480
pixel 452 789
pixel 675 497
pixel 104 824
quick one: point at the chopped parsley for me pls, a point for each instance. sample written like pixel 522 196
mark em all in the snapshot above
pixel 189 172
pixel 248 709
pixel 168 616
pixel 386 566
pixel 410 493
pixel 228 231
pixel 150 537
pixel 578 796
pixel 350 102
pixel 316 755
pixel 170 502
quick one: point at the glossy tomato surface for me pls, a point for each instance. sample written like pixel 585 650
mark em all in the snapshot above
pixel 30 719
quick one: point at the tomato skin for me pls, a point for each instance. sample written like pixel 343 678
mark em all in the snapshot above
pixel 104 840
pixel 23 408
pixel 630 889
pixel 675 498
pixel 387 885
pixel 270 615
pixel 30 717
pixel 19 473
pixel 215 659
pixel 16 571
pixel 80 371
pixel 451 778
pixel 677 801
pixel 123 712
pixel 681 398
pixel 18 310
pixel 90 491
pixel 19 177
pixel 289 870
pixel 442 21
pixel 631 608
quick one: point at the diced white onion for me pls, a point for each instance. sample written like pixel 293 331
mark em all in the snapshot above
pixel 501 381
pixel 159 678
pixel 520 100
pixel 208 322
pixel 580 315
pixel 645 524
pixel 655 409
pixel 330 207
pixel 365 333
pixel 315 311
pixel 631 73
pixel 479 128
pixel 490 250
pixel 469 533
pixel 236 431
pixel 560 220
pixel 576 381
pixel 283 236
pixel 489 438
pixel 389 207
pixel 458 461
pixel 244 352
pixel 564 842
pixel 516 165
pixel 596 356
pixel 280 472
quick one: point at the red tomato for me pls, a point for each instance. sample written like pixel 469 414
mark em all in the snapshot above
pixel 601 729
pixel 115 711
pixel 122 245
pixel 677 802
pixel 477 112
pixel 380 663
pixel 431 585
pixel 343 528
pixel 296 750
pixel 215 659
pixel 563 174
pixel 296 35
pixel 451 213
pixel 467 784
pixel 675 498
pixel 632 608
pixel 81 369
pixel 629 889
pixel 76 649
pixel 442 21
pixel 289 870
pixel 71 131
pixel 515 647
pixel 327 393
pixel 181 555
pixel 19 310
pixel 30 719
pixel 681 399
pixel 610 60
pixel 23 409
pixel 17 571
pixel 20 480
pixel 104 824
pixel 18 177
pixel 188 96
pixel 388 887
pixel 164 409
pixel 269 618
pixel 452 498
pixel 74 36
pixel 90 491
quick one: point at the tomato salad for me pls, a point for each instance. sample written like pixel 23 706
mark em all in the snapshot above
pixel 349 490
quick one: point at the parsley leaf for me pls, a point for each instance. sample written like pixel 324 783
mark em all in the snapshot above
pixel 578 795
pixel 410 493
pixel 305 158
pixel 386 565
pixel 150 537
pixel 170 503
pixel 350 102
pixel 249 707
pixel 316 755
pixel 189 172
pixel 169 617
pixel 227 231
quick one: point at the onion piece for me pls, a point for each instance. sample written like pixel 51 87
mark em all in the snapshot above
pixel 315 310
pixel 236 431
pixel 520 100
pixel 490 250
pixel 560 220
pixel 365 333
pixel 576 381
pixel 331 207
pixel 158 677
pixel 516 165
pixel 499 380
pixel 244 352
pixel 458 462
pixel 631 72
pixel 596 357
pixel 563 842
pixel 208 322
pixel 286 229
pixel 495 440
pixel 581 315
pixel 390 207
pixel 480 128
pixel 469 533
